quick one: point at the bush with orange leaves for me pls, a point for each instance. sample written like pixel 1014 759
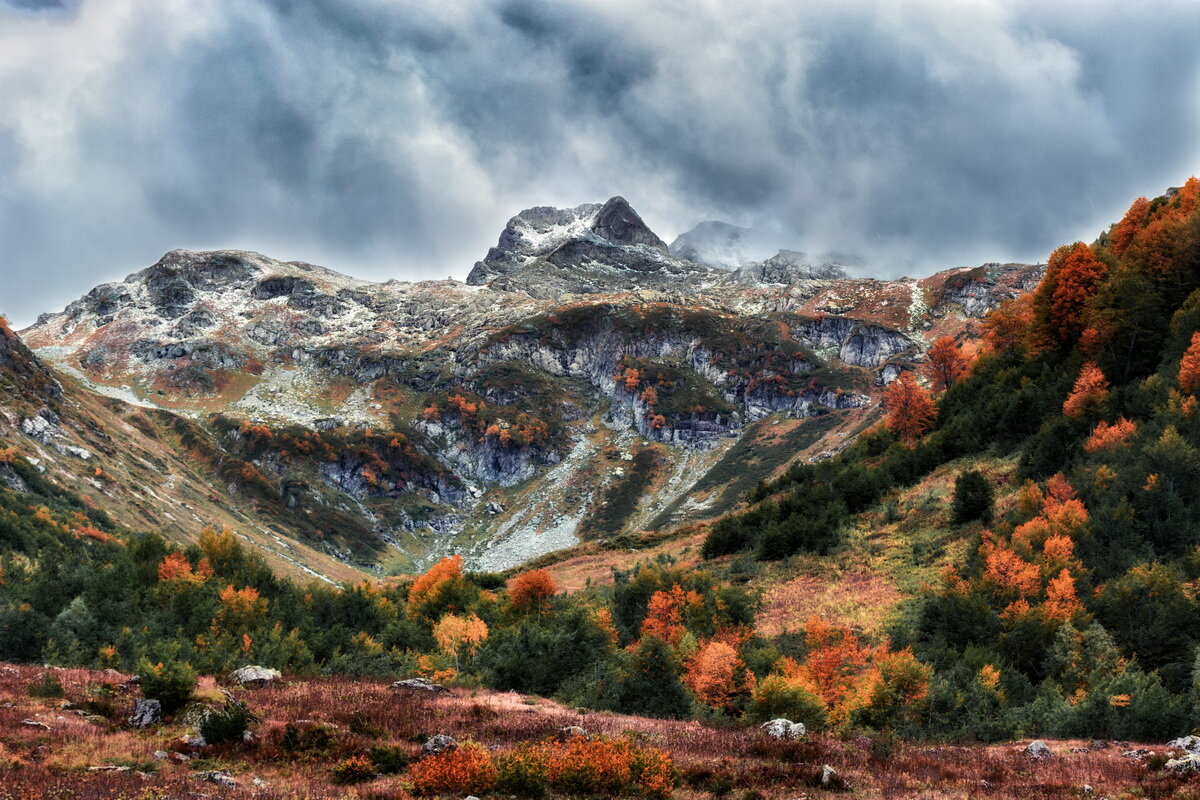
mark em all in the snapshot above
pixel 176 567
pixel 1110 437
pixel 665 610
pixel 947 363
pixel 532 590
pixel 1089 393
pixel 1189 367
pixel 9 454
pixel 1005 328
pixel 468 769
pixel 588 767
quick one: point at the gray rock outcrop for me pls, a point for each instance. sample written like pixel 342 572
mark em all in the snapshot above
pixel 255 677
pixel 781 728
pixel 146 712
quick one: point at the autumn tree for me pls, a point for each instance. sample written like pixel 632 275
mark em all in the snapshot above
pixel 1120 237
pixel 1109 437
pixel 1062 603
pixel 240 608
pixel 457 635
pixel 910 410
pixel 1006 327
pixel 1089 392
pixel 835 656
pixel 664 613
pixel 432 588
pixel 1189 367
pixel 532 590
pixel 175 567
pixel 716 674
pixel 947 363
pixel 1073 275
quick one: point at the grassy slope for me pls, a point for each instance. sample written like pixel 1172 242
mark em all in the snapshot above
pixel 61 759
pixel 148 482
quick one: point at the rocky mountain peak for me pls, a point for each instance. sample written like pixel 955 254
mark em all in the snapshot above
pixel 547 252
pixel 618 223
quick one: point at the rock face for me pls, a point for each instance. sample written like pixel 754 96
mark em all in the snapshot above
pixel 146 712
pixel 254 677
pixel 784 729
pixel 435 417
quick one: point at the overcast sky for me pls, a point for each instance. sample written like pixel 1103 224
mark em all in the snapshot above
pixel 393 139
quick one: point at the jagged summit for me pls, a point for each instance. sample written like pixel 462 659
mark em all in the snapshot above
pixel 547 252
pixel 618 223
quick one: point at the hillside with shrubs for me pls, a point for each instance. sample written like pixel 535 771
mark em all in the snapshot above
pixel 1031 488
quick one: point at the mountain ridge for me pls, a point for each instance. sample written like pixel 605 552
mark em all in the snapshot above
pixel 502 398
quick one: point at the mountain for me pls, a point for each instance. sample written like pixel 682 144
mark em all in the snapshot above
pixel 1012 548
pixel 583 384
pixel 754 257
pixel 549 252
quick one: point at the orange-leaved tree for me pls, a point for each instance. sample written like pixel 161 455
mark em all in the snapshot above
pixel 716 674
pixel 1006 327
pixel 947 363
pixel 176 567
pixel 1110 437
pixel 664 613
pixel 910 410
pixel 1062 603
pixel 1089 392
pixel 1073 275
pixel 532 590
pixel 1189 367
pixel 429 588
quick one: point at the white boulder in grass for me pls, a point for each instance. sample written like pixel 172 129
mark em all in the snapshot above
pixel 255 677
pixel 784 729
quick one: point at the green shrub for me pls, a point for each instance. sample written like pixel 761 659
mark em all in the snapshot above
pixel 389 759
pixel 228 723
pixel 972 497
pixel 169 683
pixel 355 769
pixel 776 697
pixel 47 685
pixel 307 739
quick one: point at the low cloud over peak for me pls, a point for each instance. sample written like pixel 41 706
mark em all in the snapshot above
pixel 393 139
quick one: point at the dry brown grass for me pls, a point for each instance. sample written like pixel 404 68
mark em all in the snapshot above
pixel 712 761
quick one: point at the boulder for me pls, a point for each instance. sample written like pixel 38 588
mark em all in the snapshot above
pixel 188 745
pixel 254 677
pixel 441 743
pixel 784 729
pixel 831 781
pixel 223 779
pixel 146 712
pixel 420 685
pixel 1038 751
pixel 1189 763
pixel 1190 744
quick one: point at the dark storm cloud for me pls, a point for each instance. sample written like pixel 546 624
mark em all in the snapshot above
pixel 393 139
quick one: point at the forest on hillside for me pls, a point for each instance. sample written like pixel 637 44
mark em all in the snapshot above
pixel 1068 612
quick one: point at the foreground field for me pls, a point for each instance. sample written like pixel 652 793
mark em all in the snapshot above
pixel 324 738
